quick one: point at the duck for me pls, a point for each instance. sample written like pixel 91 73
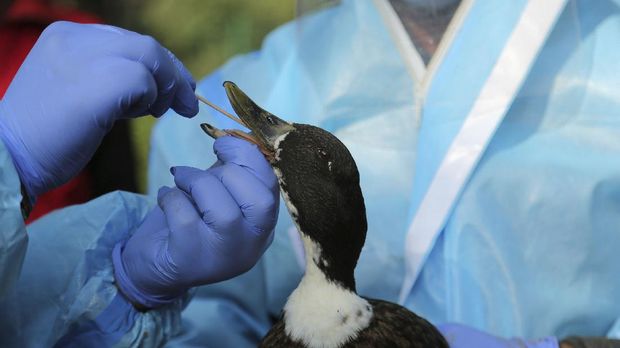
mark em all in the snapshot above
pixel 320 185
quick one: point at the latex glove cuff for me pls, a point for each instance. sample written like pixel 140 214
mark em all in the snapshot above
pixel 140 300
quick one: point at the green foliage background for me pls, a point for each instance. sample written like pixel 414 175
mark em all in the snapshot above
pixel 202 33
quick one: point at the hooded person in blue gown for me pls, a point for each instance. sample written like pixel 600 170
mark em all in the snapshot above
pixel 487 136
pixel 486 145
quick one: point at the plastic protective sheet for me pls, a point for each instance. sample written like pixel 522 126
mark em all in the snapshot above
pixel 532 234
pixel 66 286
pixel 13 238
pixel 530 247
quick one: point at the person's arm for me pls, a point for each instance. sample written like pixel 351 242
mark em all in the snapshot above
pixel 74 84
pixel 214 225
pixel 77 80
pixel 116 271
pixel 236 317
pixel 67 279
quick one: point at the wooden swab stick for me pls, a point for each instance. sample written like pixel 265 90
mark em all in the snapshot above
pixel 232 117
pixel 216 133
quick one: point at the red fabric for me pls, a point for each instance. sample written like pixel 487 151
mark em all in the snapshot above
pixel 19 29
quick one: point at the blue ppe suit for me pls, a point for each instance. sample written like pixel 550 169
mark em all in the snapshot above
pixel 57 279
pixel 530 248
pixel 13 237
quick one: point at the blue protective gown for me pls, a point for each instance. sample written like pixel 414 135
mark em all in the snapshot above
pixel 13 237
pixel 530 248
pixel 64 293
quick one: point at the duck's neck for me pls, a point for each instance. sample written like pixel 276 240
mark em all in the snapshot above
pixel 324 310
pixel 336 263
pixel 325 265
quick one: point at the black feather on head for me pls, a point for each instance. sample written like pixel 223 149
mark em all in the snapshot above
pixel 321 180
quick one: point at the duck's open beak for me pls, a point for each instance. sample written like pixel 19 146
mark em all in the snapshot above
pixel 265 127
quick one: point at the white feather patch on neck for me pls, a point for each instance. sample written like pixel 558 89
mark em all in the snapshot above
pixel 289 205
pixel 276 145
pixel 320 313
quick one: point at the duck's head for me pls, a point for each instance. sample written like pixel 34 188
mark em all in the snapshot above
pixel 319 181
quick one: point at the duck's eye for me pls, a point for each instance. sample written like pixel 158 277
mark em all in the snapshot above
pixel 322 153
pixel 271 120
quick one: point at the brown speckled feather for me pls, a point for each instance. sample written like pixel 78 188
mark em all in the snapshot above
pixel 392 326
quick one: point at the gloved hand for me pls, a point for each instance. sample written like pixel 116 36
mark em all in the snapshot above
pixel 215 225
pixel 460 336
pixel 76 81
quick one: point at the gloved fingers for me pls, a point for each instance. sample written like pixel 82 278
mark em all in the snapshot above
pixel 242 153
pixel 104 41
pixel 258 203
pixel 173 86
pixel 216 164
pixel 183 221
pixel 178 104
pixel 154 220
pixel 186 74
pixel 218 208
pixel 111 29
pixel 165 97
pixel 178 208
pixel 133 102
pixel 70 31
pixel 184 106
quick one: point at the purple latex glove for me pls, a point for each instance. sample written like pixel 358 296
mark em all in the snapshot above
pixel 77 80
pixel 461 336
pixel 213 226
